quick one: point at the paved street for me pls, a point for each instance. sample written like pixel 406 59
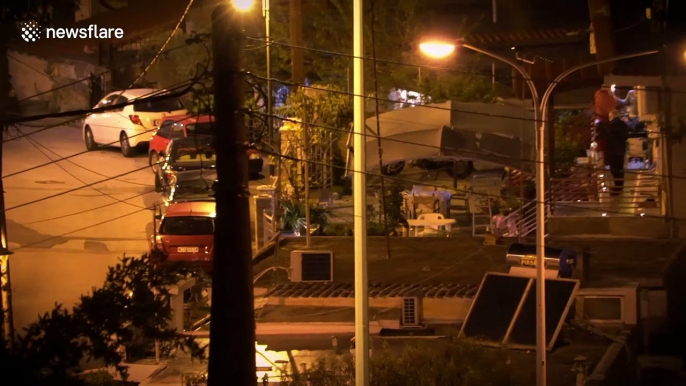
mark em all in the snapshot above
pixel 63 245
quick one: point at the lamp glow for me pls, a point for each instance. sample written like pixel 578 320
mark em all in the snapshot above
pixel 437 49
pixel 243 5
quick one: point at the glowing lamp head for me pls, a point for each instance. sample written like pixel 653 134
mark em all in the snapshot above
pixel 437 49
pixel 243 5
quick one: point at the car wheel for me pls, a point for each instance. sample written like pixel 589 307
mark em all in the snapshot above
pixel 126 148
pixel 461 170
pixel 153 161
pixel 89 140
pixel 393 169
pixel 158 183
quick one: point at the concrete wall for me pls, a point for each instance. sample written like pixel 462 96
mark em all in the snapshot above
pixel 31 75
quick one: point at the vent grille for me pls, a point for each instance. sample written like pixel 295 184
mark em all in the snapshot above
pixel 410 314
pixel 316 267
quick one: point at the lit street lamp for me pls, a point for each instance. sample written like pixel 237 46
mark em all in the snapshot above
pixel 439 49
pixel 243 5
pixel 246 5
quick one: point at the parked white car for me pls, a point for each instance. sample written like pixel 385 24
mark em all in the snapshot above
pixel 131 126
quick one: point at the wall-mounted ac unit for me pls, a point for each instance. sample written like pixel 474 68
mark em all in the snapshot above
pixel 411 313
pixel 311 266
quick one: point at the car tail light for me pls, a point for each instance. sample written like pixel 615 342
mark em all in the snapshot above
pixel 158 242
pixel 136 119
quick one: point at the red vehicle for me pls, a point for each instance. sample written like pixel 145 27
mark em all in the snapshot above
pixel 186 233
pixel 181 126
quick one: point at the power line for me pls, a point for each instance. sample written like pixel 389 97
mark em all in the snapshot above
pixel 44 128
pixel 441 148
pixel 429 106
pixel 82 152
pixel 164 45
pixel 91 209
pixel 38 147
pixel 99 109
pixel 450 188
pixel 82 229
pixel 74 189
pixel 444 69
pixel 188 42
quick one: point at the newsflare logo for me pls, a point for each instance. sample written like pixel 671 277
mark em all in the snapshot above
pixel 32 32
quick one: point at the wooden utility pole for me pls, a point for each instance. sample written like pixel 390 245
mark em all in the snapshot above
pixel 5 288
pixel 232 331
pixel 297 54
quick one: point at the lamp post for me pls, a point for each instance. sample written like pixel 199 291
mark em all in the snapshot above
pixel 360 203
pixel 245 5
pixel 438 49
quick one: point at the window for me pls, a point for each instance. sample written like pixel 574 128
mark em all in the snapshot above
pixel 157 106
pixel 187 226
pixel 199 128
pixel 120 100
pixel 603 308
pixel 165 129
pixel 177 131
pixel 107 101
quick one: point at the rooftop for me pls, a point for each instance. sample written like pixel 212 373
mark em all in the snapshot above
pixel 462 260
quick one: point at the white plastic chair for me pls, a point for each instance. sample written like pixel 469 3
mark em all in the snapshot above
pixel 431 229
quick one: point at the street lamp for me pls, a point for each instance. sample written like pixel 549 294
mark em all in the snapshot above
pixel 434 49
pixel 437 49
pixel 245 5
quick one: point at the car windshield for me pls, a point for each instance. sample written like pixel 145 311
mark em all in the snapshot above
pixel 200 188
pixel 187 226
pixel 157 106
pixel 199 128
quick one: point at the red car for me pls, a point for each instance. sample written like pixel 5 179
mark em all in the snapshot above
pixel 181 126
pixel 186 233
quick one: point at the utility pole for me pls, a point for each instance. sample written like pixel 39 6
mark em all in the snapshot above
pixel 5 289
pixel 297 54
pixel 305 138
pixel 360 203
pixel 270 102
pixel 232 332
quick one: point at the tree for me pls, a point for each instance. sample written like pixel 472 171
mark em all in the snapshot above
pixel 399 26
pixel 132 303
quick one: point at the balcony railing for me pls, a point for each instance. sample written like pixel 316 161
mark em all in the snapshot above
pixel 600 194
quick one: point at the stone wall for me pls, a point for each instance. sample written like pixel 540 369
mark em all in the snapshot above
pixel 31 75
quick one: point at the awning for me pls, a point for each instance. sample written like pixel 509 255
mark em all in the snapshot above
pixel 499 133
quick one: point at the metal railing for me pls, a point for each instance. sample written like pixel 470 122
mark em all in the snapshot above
pixel 521 222
pixel 267 227
pixel 599 193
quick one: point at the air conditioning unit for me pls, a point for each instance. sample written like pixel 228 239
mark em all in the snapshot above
pixel 411 313
pixel 311 266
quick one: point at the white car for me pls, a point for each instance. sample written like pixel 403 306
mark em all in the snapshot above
pixel 132 125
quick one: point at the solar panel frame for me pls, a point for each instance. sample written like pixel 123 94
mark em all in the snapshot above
pixel 474 312
pixel 528 294
pixel 551 339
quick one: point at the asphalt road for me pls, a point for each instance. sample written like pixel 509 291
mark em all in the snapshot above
pixel 63 244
